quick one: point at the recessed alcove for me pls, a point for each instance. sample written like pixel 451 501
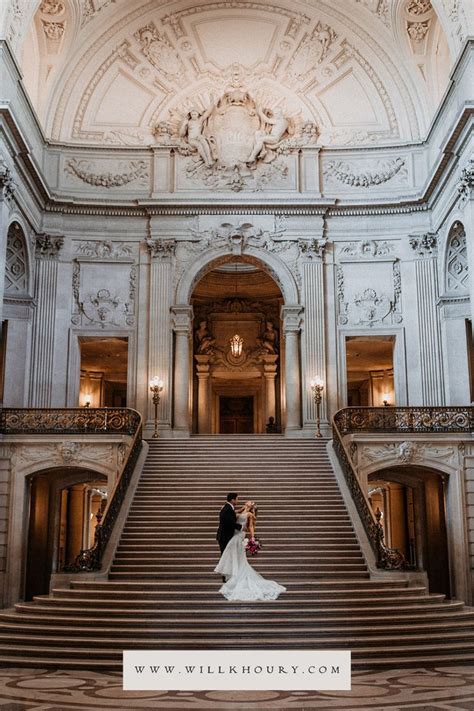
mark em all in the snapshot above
pixel 236 387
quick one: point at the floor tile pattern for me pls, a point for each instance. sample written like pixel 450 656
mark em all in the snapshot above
pixel 419 689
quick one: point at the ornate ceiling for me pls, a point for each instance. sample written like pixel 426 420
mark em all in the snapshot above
pixel 122 71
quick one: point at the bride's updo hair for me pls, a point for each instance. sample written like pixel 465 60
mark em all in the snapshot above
pixel 253 509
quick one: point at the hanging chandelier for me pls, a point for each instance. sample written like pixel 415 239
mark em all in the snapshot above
pixel 236 345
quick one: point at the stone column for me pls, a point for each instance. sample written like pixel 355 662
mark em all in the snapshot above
pixel 291 318
pixel 313 344
pixel 269 373
pixel 204 409
pixel 42 361
pixel 182 326
pixel 160 334
pixel 429 333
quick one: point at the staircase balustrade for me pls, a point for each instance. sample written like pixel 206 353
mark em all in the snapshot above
pixel 81 421
pixel 395 420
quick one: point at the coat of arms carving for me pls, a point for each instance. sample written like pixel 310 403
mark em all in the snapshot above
pixel 235 142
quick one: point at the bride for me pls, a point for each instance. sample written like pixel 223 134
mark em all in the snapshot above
pixel 242 581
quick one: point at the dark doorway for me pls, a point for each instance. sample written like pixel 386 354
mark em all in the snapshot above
pixel 412 503
pixel 235 415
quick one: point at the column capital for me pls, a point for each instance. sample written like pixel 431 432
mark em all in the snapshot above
pixel 466 180
pixel 161 249
pixel 7 184
pixel 425 245
pixel 291 316
pixel 312 249
pixel 48 246
pixel 182 318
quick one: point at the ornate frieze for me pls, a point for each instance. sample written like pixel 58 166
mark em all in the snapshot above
pixel 366 174
pixel 47 246
pixel 66 453
pixel 126 172
pixel 425 245
pixel 367 249
pixel 104 249
pixel 407 452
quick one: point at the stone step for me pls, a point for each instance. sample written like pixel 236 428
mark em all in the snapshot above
pixel 360 647
pixel 350 584
pixel 392 593
pixel 78 608
pixel 279 616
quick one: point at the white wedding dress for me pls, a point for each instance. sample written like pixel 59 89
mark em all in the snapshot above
pixel 242 581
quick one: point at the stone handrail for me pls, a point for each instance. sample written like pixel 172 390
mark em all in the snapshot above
pixel 400 420
pixel 84 420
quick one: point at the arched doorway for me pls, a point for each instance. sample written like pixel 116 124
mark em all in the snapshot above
pixel 237 350
pixel 413 505
pixel 61 521
pixel 281 329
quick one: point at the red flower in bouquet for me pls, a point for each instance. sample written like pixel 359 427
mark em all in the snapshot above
pixel 253 546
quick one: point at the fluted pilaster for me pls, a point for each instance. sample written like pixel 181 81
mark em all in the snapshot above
pixel 313 338
pixel 427 292
pixel 46 281
pixel 160 334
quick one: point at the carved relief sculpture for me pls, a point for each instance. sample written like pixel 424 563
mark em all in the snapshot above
pixel 192 130
pixel 203 339
pixel 235 142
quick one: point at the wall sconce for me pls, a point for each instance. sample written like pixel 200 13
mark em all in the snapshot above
pixel 317 386
pixel 87 399
pixel 386 399
pixel 156 387
pixel 236 345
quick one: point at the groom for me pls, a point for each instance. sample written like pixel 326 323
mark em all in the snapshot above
pixel 227 521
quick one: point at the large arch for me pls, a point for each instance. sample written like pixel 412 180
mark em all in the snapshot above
pixel 211 258
pixel 290 317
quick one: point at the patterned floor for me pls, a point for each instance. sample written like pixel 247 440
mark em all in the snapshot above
pixel 426 689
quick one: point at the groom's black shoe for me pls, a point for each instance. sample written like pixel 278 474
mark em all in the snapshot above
pixel 223 578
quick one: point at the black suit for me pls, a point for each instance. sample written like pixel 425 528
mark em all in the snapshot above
pixel 227 525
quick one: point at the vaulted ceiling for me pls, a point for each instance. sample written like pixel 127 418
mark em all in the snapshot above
pixel 365 71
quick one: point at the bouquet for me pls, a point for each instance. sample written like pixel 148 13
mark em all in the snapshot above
pixel 252 546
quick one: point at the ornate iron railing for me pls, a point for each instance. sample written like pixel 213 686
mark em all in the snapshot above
pixel 74 421
pixel 394 420
pixel 405 419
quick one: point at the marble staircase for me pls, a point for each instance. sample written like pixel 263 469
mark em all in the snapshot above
pixel 162 593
